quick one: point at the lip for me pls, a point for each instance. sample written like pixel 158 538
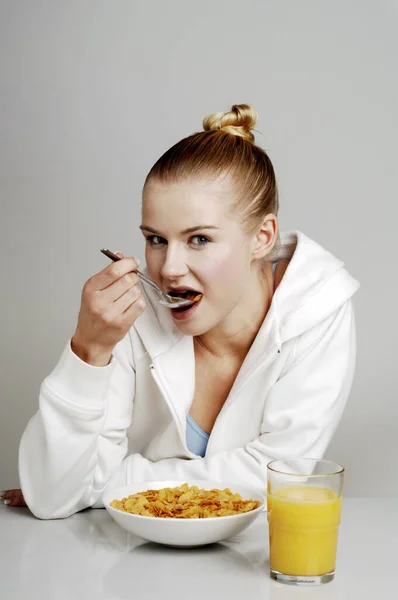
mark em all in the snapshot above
pixel 186 314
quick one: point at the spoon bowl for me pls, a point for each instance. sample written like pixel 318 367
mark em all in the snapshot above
pixel 189 297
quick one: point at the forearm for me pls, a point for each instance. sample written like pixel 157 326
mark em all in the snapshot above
pixel 77 440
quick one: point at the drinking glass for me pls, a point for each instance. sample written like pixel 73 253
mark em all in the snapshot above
pixel 304 499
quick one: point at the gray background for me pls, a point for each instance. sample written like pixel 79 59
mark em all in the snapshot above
pixel 92 92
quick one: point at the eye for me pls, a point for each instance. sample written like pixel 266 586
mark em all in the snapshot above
pixel 201 240
pixel 155 240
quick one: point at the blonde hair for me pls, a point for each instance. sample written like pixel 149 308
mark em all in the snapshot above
pixel 226 148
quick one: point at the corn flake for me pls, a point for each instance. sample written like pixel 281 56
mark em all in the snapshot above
pixel 185 502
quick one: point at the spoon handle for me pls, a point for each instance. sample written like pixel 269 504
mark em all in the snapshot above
pixel 115 258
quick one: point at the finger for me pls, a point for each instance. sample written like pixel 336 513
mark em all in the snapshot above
pixel 13 497
pixel 134 310
pixel 7 494
pixel 125 301
pixel 119 254
pixel 113 272
pixel 17 501
pixel 118 288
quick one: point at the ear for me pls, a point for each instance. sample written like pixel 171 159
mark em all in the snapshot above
pixel 265 237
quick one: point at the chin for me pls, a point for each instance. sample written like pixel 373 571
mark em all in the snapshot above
pixel 201 327
pixel 191 329
pixel 205 319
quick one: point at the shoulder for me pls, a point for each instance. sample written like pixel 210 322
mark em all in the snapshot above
pixel 334 335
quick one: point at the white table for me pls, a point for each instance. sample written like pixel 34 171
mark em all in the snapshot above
pixel 89 557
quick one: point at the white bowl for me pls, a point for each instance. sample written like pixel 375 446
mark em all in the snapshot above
pixel 183 532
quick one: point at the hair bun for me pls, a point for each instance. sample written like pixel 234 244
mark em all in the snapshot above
pixel 240 120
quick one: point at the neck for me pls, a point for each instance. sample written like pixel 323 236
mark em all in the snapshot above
pixel 233 337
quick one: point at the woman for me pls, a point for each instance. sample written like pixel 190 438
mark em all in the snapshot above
pixel 260 368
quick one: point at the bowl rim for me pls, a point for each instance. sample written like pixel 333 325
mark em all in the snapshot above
pixel 226 484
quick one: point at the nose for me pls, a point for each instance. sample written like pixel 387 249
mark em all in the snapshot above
pixel 174 265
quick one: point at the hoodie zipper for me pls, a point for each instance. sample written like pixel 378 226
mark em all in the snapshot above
pixel 162 390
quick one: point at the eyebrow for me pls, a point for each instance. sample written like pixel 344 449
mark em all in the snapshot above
pixel 189 230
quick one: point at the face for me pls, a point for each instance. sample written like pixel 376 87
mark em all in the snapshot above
pixel 194 242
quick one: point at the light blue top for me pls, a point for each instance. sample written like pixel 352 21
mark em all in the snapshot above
pixel 197 439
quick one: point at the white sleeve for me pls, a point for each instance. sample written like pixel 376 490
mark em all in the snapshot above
pixel 78 438
pixel 301 414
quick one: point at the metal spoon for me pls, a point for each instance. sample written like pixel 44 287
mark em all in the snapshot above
pixel 165 299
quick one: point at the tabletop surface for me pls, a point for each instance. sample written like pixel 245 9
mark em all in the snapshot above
pixel 88 556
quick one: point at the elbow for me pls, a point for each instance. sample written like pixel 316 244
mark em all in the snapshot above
pixel 46 513
pixel 47 510
pixel 47 506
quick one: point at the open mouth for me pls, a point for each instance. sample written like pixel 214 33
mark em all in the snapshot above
pixel 191 295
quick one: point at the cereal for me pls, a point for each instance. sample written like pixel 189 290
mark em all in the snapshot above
pixel 185 502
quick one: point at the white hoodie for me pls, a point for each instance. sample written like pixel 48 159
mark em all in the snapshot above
pixel 126 422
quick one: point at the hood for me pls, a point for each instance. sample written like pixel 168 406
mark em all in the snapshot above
pixel 315 285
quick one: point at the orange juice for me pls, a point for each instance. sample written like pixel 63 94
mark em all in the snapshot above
pixel 303 527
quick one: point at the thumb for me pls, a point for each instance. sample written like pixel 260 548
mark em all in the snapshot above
pixel 119 254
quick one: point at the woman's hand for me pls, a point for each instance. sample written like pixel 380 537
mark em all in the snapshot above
pixel 111 302
pixel 13 498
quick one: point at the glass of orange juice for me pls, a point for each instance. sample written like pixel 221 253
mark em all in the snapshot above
pixel 304 499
